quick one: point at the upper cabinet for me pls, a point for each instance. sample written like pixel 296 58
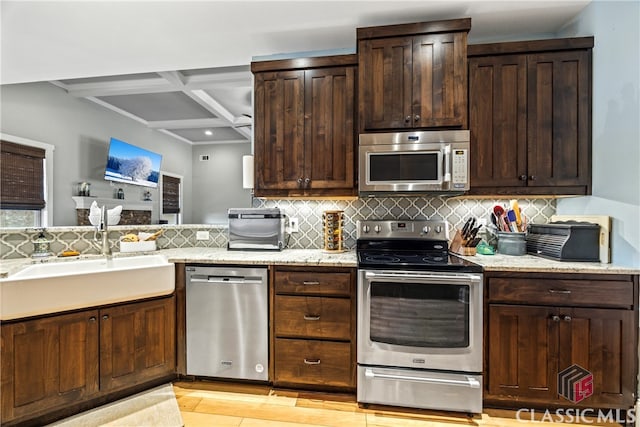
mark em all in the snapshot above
pixel 413 76
pixel 304 126
pixel 530 117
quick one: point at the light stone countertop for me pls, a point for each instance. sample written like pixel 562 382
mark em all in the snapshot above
pixel 317 257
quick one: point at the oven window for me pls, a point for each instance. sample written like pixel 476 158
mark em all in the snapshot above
pixel 403 167
pixel 420 315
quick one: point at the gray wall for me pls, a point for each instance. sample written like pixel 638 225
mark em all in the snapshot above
pixel 80 131
pixel 616 128
pixel 217 182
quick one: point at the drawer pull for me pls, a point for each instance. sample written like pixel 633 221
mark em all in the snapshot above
pixel 555 318
pixel 311 317
pixel 559 291
pixel 308 282
pixel 311 361
pixel 567 318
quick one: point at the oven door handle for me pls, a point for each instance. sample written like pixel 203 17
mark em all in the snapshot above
pixel 413 276
pixel 470 382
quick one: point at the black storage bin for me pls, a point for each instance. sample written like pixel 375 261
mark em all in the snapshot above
pixel 565 241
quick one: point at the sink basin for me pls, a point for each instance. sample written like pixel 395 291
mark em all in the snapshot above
pixel 53 287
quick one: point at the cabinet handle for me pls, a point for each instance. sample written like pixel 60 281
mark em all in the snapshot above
pixel 311 361
pixel 523 177
pixel 407 119
pixel 311 317
pixel 310 282
pixel 559 291
pixel 567 318
pixel 555 318
pixel 92 319
pixel 416 118
pixel 105 317
pixel 532 177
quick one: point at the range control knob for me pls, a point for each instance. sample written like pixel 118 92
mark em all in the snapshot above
pixel 426 229
pixel 377 228
pixel 365 228
pixel 438 229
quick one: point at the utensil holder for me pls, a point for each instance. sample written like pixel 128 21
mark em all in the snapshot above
pixel 333 225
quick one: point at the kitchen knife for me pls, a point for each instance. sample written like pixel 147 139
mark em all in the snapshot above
pixel 465 227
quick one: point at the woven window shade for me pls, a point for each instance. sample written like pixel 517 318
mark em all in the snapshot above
pixel 170 195
pixel 21 176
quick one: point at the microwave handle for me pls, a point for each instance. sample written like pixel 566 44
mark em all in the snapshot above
pixel 447 164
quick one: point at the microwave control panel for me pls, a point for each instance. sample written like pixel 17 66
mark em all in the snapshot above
pixel 459 167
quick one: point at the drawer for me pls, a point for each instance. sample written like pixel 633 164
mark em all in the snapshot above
pixel 313 362
pixel 313 283
pixel 590 293
pixel 313 317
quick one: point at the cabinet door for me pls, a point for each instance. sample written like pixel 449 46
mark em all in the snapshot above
pixel 498 121
pixel 385 83
pixel 604 342
pixel 48 363
pixel 329 128
pixel 523 348
pixel 559 119
pixel 137 343
pixel 279 131
pixel 439 80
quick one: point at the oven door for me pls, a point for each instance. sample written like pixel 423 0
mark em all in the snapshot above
pixel 419 319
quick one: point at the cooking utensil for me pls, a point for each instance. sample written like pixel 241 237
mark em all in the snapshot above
pixel 512 219
pixel 466 226
pixel 516 210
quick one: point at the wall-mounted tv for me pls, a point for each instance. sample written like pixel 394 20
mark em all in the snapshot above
pixel 132 165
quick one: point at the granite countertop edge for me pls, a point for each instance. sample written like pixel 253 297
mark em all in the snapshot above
pixel 318 257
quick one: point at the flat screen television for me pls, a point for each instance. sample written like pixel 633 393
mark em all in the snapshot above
pixel 132 165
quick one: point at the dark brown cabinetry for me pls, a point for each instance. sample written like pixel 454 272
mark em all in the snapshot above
pixel 304 127
pixel 413 76
pixel 530 117
pixel 314 327
pixel 55 362
pixel 536 328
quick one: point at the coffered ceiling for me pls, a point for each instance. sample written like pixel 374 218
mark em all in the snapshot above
pixel 182 66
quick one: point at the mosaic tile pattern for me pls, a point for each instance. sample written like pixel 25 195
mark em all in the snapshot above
pixel 17 243
pixel 454 210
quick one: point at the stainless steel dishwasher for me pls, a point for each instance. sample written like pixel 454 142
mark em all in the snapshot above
pixel 227 322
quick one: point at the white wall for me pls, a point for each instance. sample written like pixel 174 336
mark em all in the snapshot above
pixel 217 182
pixel 616 123
pixel 80 131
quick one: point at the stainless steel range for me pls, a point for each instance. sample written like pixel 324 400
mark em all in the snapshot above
pixel 419 318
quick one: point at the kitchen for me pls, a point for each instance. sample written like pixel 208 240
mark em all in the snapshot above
pixel 623 245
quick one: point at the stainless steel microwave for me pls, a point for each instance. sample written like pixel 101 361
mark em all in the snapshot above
pixel 414 162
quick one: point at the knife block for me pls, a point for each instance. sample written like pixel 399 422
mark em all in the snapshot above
pixel 457 245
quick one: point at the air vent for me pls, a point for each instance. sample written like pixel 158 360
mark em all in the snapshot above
pixel 204 157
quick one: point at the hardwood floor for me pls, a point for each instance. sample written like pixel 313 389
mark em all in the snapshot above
pixel 244 405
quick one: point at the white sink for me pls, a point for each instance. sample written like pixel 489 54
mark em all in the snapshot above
pixel 52 287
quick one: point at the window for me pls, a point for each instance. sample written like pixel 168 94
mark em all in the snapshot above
pixel 171 199
pixel 22 184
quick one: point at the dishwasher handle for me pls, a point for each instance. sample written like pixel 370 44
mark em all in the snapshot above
pixel 226 280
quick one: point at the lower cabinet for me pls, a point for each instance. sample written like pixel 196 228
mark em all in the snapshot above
pixel 314 327
pixel 53 362
pixel 541 329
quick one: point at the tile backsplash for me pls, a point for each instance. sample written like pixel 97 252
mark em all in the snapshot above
pixel 17 243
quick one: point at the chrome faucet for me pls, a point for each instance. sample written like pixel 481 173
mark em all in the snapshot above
pixel 104 230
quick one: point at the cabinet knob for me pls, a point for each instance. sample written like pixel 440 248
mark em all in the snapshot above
pixel 311 361
pixel 523 177
pixel 567 318
pixel 105 317
pixel 307 181
pixel 532 177
pixel 416 118
pixel 299 181
pixel 407 119
pixel 555 318
pixel 92 319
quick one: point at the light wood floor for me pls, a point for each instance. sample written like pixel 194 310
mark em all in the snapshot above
pixel 242 405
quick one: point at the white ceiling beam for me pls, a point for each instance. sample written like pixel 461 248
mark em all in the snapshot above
pixel 117 110
pixel 174 77
pixel 167 132
pixel 123 87
pixel 213 106
pixel 228 141
pixel 188 124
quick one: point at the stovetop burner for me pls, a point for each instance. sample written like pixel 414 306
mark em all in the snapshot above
pixel 409 245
